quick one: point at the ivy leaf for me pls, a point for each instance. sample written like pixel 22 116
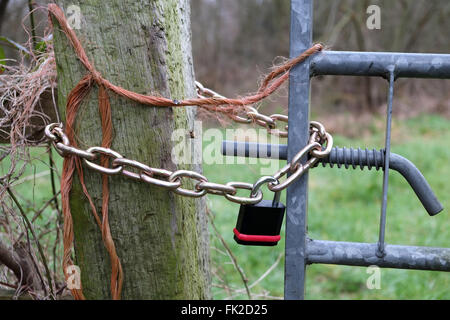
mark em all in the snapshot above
pixel 41 46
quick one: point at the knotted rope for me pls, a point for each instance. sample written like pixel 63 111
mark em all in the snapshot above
pixel 71 163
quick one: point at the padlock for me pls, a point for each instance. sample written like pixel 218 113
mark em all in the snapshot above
pixel 260 224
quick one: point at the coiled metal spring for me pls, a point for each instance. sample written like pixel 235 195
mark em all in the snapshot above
pixel 355 158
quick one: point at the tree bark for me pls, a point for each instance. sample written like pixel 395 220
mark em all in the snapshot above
pixel 144 46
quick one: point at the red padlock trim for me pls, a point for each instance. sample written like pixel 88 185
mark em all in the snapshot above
pixel 255 238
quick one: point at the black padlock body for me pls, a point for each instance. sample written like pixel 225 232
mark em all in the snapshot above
pixel 261 219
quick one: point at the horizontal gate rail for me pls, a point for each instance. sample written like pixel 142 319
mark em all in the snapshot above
pixel 364 255
pixel 405 65
pixel 347 157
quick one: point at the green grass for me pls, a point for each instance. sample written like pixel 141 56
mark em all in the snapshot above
pixel 33 187
pixel 343 205
pixel 33 190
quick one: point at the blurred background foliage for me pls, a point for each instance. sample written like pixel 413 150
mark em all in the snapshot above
pixel 235 42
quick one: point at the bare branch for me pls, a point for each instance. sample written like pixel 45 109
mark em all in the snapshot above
pixel 19 262
pixel 230 254
pixel 30 228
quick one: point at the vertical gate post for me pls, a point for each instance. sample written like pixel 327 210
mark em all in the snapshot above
pixel 297 193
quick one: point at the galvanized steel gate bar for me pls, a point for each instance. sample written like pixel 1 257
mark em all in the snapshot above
pixel 300 250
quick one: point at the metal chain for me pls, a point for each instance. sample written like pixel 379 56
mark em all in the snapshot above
pixel 251 114
pixel 319 146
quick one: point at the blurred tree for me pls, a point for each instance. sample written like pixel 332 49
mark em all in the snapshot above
pixel 3 5
pixel 234 41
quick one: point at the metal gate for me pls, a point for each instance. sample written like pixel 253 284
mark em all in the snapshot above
pixel 301 250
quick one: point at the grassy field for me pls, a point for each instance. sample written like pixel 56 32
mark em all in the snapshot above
pixel 343 205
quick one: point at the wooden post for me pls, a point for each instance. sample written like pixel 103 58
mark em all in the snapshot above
pixel 143 46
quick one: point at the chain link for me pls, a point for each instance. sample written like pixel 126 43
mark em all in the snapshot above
pixel 177 175
pixel 319 146
pixel 215 188
pixel 106 152
pixel 251 113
